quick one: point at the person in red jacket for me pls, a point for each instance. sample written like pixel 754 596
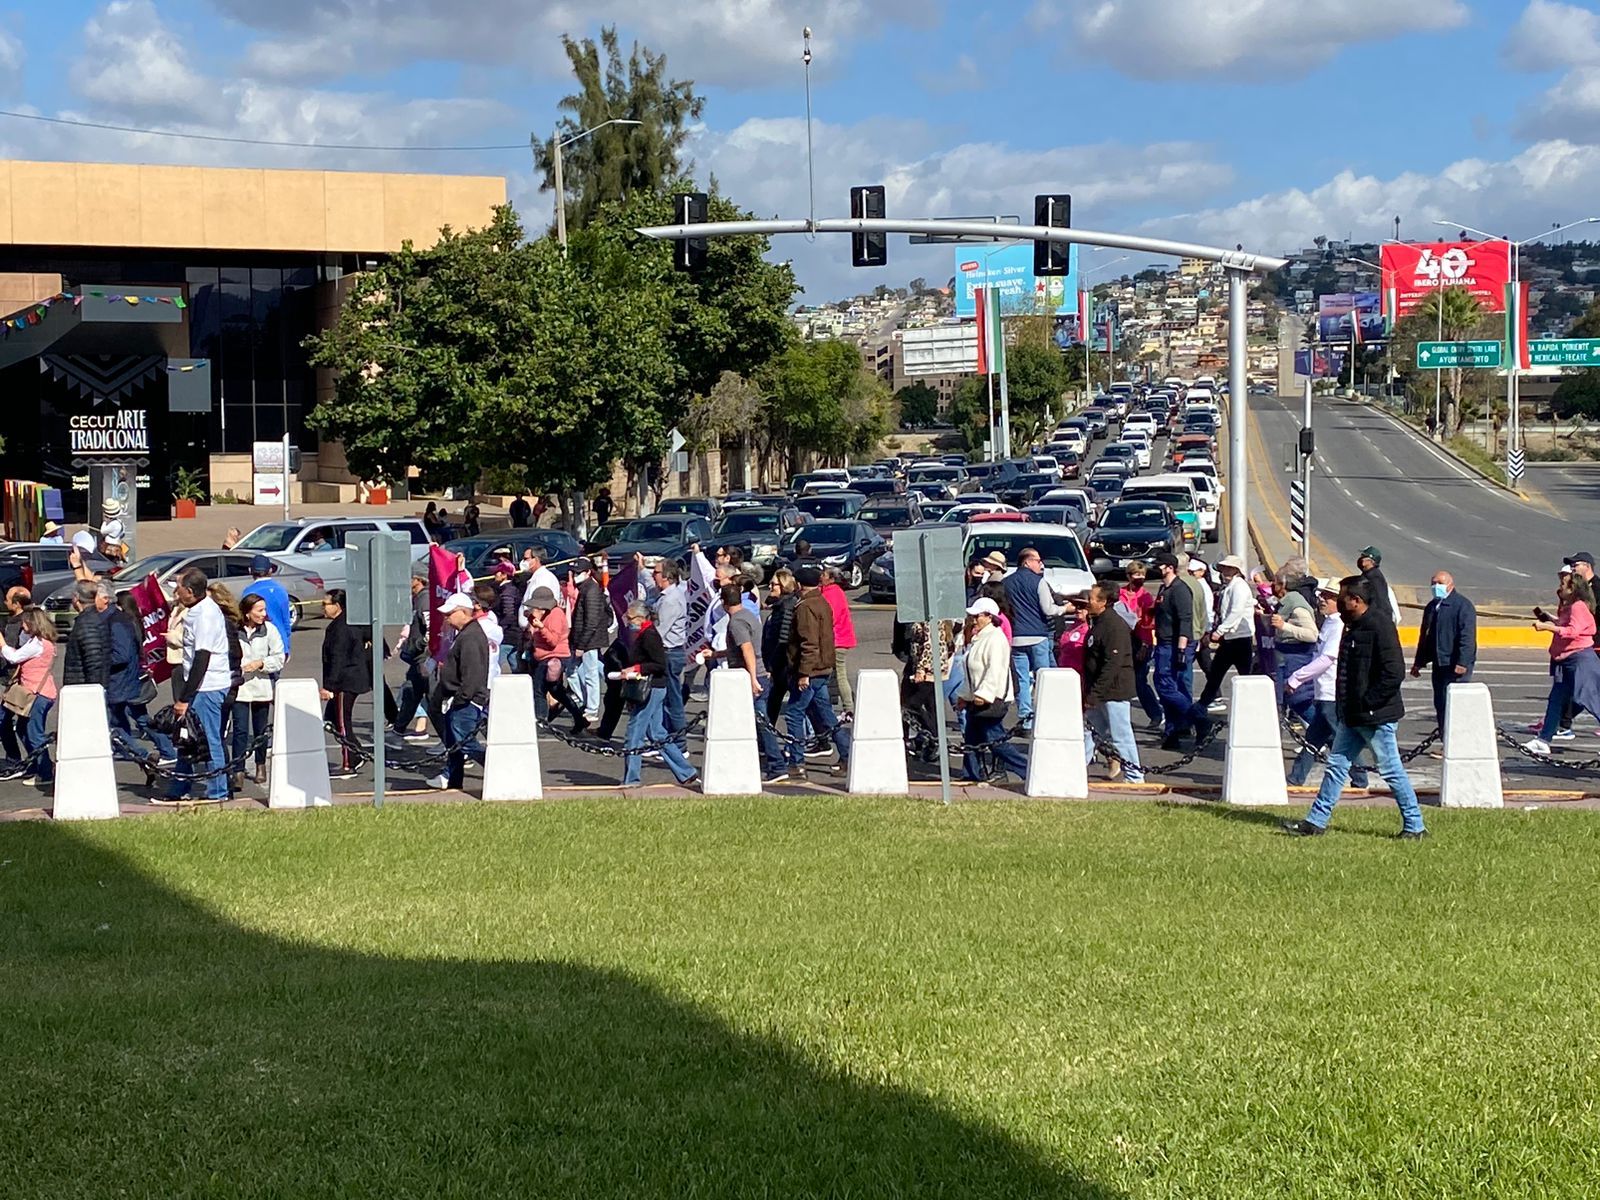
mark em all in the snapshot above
pixel 551 647
pixel 844 636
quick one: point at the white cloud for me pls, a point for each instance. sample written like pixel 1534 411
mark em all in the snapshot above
pixel 729 43
pixel 1570 109
pixel 1549 181
pixel 133 62
pixel 1550 35
pixel 1158 39
pixel 12 57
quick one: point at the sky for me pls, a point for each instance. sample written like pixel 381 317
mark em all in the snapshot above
pixel 1261 122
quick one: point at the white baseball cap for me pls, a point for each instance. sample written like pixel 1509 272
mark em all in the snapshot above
pixel 983 605
pixel 1197 567
pixel 456 602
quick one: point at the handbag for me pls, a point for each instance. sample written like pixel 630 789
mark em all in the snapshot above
pixel 18 699
pixel 636 690
pixel 147 689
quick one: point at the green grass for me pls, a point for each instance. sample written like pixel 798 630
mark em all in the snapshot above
pixel 1476 457
pixel 799 997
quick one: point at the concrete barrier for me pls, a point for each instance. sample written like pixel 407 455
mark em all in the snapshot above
pixel 511 768
pixel 732 765
pixel 297 763
pixel 1254 772
pixel 1471 777
pixel 878 740
pixel 1056 764
pixel 86 781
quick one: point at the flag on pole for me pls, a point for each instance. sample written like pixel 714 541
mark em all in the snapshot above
pixel 1355 324
pixel 1390 306
pixel 1085 311
pixel 980 302
pixel 1517 325
pixel 997 334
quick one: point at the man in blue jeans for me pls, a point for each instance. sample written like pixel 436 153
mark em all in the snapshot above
pixel 1033 607
pixel 1367 695
pixel 811 661
pixel 464 685
pixel 672 622
pixel 207 676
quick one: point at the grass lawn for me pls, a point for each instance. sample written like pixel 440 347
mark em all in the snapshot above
pixel 787 998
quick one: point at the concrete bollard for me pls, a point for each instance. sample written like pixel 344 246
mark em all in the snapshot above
pixel 511 758
pixel 1471 777
pixel 877 738
pixel 1254 772
pixel 732 765
pixel 86 781
pixel 1056 764
pixel 297 763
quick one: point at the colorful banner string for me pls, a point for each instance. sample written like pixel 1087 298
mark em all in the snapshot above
pixel 40 310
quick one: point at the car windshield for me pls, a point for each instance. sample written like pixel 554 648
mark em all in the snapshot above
pixel 155 564
pixel 823 533
pixel 699 507
pixel 270 538
pixel 1117 450
pixel 648 529
pixel 1057 551
pixel 740 522
pixel 1181 499
pixel 936 475
pixel 1136 514
pixel 827 505
pixel 887 516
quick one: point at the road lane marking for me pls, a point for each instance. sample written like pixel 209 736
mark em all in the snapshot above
pixel 1509 571
pixel 1458 554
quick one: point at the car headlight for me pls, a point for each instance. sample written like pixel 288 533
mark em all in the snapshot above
pixel 764 548
pixel 835 560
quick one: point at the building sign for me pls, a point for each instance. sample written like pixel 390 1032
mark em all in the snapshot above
pixel 1009 271
pixel 1416 269
pixel 115 434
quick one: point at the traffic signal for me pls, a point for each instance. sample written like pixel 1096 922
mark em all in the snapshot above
pixel 1053 212
pixel 868 249
pixel 689 208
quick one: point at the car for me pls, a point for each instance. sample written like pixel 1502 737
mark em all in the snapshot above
pixel 1208 494
pixel 949 479
pixel 604 535
pixel 651 537
pixel 755 500
pixel 867 471
pixel 230 568
pixel 755 531
pixel 1070 515
pixel 953 460
pixel 1195 464
pixel 1141 446
pixel 1118 452
pixel 799 483
pixel 851 546
pixel 1098 420
pixel 316 544
pixel 1178 492
pixel 887 514
pixel 932 510
pixel 818 486
pixel 1046 464
pixel 869 488
pixel 41 567
pixel 1134 531
pixel 831 506
pixel 1065 567
pixel 700 506
pixel 1106 490
pixel 556 547
pixel 1018 490
pixel 1075 440
pixel 961 513
pixel 1189 443
pixel 1068 461
pixel 1112 468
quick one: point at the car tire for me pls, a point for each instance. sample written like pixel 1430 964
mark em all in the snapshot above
pixel 857 577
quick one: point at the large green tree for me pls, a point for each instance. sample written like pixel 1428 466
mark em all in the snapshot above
pixel 619 161
pixel 820 397
pixel 918 404
pixel 1450 314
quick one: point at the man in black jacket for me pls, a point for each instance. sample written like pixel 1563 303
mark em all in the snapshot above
pixel 1108 684
pixel 590 634
pixel 463 689
pixel 88 657
pixel 1367 699
pixel 1174 655
pixel 1448 641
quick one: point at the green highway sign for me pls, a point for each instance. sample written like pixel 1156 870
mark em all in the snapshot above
pixel 1484 353
pixel 1564 352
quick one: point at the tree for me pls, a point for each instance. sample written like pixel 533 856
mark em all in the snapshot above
pixel 1588 325
pixel 619 160
pixel 821 397
pixel 919 405
pixel 1577 397
pixel 1036 379
pixel 1450 314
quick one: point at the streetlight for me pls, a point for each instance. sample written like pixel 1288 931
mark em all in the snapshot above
pixel 1513 388
pixel 558 144
pixel 1088 334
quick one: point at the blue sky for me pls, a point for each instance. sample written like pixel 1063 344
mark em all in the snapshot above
pixel 1255 121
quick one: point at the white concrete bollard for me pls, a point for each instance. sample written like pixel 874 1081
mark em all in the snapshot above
pixel 297 762
pixel 1471 777
pixel 732 765
pixel 86 781
pixel 1254 773
pixel 877 738
pixel 511 758
pixel 1056 765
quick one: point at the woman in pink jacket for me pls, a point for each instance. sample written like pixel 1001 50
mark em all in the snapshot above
pixel 33 658
pixel 550 644
pixel 844 635
pixel 1574 669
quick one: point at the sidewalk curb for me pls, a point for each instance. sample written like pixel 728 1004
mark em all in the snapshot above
pixel 1447 452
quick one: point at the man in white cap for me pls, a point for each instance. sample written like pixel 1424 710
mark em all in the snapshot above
pixel 463 688
pixel 986 695
pixel 1233 636
pixel 113 532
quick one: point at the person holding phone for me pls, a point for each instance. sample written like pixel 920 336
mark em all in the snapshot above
pixel 1574 669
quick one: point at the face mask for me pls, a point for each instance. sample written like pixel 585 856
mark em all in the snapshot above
pixel 1440 591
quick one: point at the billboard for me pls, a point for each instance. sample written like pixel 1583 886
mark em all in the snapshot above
pixel 1415 269
pixel 1329 364
pixel 1010 271
pixel 1335 310
pixel 939 350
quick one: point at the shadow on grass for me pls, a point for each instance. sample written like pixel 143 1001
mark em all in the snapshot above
pixel 151 1048
pixel 1227 812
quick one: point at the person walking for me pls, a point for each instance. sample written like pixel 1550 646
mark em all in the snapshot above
pixel 280 608
pixel 1294 630
pixel 590 635
pixel 811 660
pixel 1033 608
pixel 744 632
pixel 1074 640
pixel 1233 639
pixel 414 654
pixel 207 680
pixel 986 698
pixel 1368 563
pixel 550 647
pixel 1322 673
pixel 1108 684
pixel 601 507
pixel 87 658
pixel 1448 640
pixel 647 674
pixel 782 595
pixel 346 674
pixel 1140 604
pixel 126 712
pixel 232 622
pixel 1197 577
pixel 918 681
pixel 520 511
pixel 1574 669
pixel 1174 622
pixel 671 624
pixel 263 658
pixel 463 690
pixel 51 535
pixel 18 601
pixel 32 659
pixel 1369 707
pixel 113 533
pixel 844 636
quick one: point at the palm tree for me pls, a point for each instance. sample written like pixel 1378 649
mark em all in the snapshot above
pixel 1452 314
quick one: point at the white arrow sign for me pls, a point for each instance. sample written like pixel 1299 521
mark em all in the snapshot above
pixel 678 440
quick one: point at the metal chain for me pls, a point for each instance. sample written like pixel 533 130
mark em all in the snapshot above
pixel 816 741
pixel 605 749
pixel 1549 760
pixel 1423 746
pixel 16 768
pixel 153 767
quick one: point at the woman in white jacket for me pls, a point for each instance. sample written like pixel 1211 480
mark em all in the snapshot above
pixel 1322 672
pixel 261 658
pixel 986 696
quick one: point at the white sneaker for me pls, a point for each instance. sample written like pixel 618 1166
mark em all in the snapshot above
pixel 440 783
pixel 1217 706
pixel 1536 746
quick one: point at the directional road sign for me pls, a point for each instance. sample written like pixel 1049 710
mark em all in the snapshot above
pixel 1484 353
pixel 1564 352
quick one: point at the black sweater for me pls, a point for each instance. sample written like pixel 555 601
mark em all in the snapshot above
pixel 650 656
pixel 464 673
pixel 1371 669
pixel 346 661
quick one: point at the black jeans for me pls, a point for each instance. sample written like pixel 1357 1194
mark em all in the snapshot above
pixel 1230 652
pixel 251 719
pixel 340 712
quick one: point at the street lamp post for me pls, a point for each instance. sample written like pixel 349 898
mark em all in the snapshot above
pixel 1088 334
pixel 1513 346
pixel 558 144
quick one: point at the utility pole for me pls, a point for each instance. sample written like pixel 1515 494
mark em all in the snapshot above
pixel 1305 476
pixel 557 145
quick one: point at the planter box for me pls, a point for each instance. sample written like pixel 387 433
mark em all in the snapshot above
pixel 378 495
pixel 183 509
